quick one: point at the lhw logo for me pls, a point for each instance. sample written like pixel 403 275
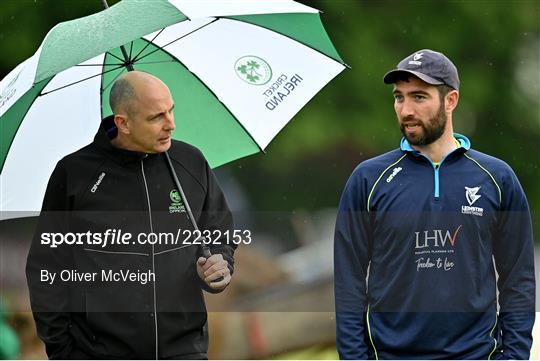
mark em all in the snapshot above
pixel 436 238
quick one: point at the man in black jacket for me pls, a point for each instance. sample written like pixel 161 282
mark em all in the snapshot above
pixel 115 268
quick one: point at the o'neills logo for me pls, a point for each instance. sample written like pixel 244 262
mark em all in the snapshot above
pixel 395 171
pixel 98 182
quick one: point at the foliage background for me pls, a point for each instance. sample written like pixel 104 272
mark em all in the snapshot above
pixel 494 44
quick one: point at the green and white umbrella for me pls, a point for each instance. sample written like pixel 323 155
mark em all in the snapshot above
pixel 238 70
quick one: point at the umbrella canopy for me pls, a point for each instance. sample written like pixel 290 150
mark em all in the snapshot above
pixel 238 71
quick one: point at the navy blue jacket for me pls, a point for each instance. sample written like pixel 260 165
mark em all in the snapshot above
pixel 414 253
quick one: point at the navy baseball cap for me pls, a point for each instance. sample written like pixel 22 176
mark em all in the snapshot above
pixel 432 67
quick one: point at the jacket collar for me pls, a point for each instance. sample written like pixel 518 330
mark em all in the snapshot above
pixel 464 142
pixel 107 131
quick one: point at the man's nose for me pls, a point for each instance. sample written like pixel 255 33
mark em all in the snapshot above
pixel 169 122
pixel 406 108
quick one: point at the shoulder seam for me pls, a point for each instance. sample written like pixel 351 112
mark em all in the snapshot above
pixel 488 173
pixel 378 179
pixel 189 172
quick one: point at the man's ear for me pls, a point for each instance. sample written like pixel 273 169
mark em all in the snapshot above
pixel 121 122
pixel 451 101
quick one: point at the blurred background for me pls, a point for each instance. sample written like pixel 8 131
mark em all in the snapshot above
pixel 280 303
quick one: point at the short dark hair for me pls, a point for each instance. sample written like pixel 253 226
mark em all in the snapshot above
pixel 443 89
pixel 122 96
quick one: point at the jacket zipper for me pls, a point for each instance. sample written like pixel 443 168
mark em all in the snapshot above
pixel 153 263
pixel 436 168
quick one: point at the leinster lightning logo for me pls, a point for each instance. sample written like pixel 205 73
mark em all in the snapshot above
pixel 471 195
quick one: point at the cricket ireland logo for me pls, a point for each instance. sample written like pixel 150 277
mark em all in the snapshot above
pixel 177 206
pixel 253 70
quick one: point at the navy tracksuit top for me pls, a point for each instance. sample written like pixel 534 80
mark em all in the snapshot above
pixel 414 253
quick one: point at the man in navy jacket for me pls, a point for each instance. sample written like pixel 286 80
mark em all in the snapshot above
pixel 419 231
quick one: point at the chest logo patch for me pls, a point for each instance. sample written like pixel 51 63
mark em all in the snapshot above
pixel 472 196
pixel 177 206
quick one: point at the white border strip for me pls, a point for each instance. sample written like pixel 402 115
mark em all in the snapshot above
pixel 213 8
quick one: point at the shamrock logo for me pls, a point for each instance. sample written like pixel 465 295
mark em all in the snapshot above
pixel 253 70
pixel 175 196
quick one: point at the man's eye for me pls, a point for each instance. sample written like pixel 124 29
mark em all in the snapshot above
pixel 398 98
pixel 419 97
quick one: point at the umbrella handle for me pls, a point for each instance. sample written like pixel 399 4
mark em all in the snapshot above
pixel 206 253
pixel 205 250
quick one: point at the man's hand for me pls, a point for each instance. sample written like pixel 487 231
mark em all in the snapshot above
pixel 210 269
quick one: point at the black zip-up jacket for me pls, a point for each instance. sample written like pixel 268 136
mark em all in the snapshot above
pixel 101 187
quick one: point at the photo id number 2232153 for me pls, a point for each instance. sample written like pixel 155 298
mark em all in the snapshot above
pixel 216 237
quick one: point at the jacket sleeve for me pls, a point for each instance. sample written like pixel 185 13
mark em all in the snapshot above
pixel 351 259
pixel 50 302
pixel 216 216
pixel 513 250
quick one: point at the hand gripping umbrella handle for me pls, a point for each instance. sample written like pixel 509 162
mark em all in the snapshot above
pixel 205 250
pixel 207 253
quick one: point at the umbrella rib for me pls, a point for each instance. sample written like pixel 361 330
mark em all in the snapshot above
pixel 146 46
pixel 118 64
pixel 112 81
pixel 101 89
pixel 80 81
pixel 156 62
pixel 130 48
pixel 175 40
pixel 114 56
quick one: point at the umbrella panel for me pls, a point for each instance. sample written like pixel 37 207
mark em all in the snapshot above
pixel 201 119
pixel 12 119
pixel 306 28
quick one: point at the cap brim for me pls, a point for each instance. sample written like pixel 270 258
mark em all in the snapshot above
pixel 392 75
